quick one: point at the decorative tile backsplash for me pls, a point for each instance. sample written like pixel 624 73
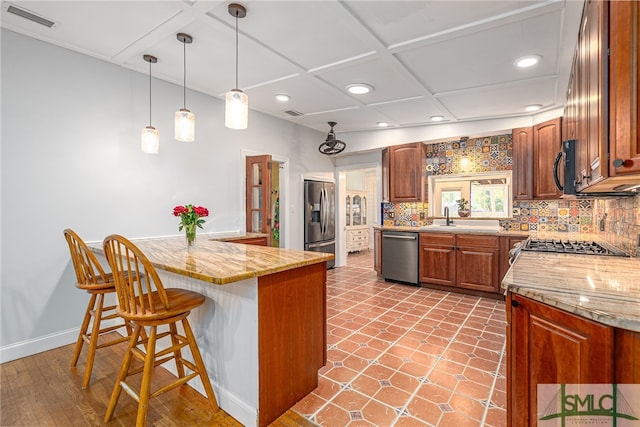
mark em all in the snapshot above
pixel 620 217
pixel 487 154
pixel 621 221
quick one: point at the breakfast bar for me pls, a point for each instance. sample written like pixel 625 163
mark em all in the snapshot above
pixel 262 330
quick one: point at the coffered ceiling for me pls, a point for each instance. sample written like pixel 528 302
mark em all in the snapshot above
pixel 423 58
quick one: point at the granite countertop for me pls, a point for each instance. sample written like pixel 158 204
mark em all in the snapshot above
pixel 605 289
pixel 448 230
pixel 220 262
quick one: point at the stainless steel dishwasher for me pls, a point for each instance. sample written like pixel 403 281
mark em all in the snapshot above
pixel 400 251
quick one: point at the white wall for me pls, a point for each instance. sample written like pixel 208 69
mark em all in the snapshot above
pixel 71 158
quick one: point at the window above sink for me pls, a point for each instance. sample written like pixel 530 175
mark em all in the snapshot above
pixel 489 193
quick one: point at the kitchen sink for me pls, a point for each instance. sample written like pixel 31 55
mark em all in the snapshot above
pixel 477 225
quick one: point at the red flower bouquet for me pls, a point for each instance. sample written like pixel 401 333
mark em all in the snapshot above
pixel 190 218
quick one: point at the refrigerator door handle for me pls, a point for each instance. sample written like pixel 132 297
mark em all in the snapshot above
pixel 322 212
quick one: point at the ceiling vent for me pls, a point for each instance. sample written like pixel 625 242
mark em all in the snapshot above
pixel 293 113
pixel 30 16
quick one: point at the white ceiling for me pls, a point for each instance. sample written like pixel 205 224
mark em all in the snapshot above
pixel 424 58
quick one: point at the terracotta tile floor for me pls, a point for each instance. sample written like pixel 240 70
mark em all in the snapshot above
pixel 400 355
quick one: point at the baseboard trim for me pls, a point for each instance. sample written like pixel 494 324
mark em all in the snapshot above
pixel 44 343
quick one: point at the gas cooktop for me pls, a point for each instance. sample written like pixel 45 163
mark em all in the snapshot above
pixel 571 247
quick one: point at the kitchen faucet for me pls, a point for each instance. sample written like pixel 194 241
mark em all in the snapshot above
pixel 446 212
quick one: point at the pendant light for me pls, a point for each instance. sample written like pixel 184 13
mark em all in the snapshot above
pixel 185 122
pixel 150 135
pixel 236 112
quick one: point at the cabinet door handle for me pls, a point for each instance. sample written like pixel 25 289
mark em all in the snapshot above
pixel 515 303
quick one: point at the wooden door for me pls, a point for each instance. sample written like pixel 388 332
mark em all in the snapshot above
pixel 547 143
pixel 522 163
pixel 437 263
pixel 546 345
pixel 258 194
pixel 624 87
pixel 477 260
pixel 406 179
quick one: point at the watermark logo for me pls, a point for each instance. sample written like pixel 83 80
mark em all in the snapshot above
pixel 615 405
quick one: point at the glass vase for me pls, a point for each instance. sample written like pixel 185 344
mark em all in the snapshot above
pixel 190 234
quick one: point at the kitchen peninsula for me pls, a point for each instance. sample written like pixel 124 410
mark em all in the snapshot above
pixel 262 330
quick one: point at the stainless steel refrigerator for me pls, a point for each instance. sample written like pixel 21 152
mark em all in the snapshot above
pixel 320 217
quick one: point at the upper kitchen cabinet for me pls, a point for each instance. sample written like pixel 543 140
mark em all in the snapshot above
pixel 522 163
pixel 406 176
pixel 547 142
pixel 534 150
pixel 624 87
pixel 603 104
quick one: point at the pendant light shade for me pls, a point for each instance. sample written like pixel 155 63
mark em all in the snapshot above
pixel 185 120
pixel 236 112
pixel 150 140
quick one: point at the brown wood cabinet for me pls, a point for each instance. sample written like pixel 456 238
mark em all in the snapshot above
pixel 438 258
pixel 546 345
pixel 406 175
pixel 462 260
pixel 377 251
pixel 534 150
pixel 522 163
pixel 603 101
pixel 385 175
pixel 624 87
pixel 547 143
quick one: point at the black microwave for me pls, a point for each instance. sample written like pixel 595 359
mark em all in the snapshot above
pixel 565 164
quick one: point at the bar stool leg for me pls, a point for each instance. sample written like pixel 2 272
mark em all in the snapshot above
pixel 197 358
pixel 178 353
pixel 93 340
pixel 145 387
pixel 83 331
pixel 123 373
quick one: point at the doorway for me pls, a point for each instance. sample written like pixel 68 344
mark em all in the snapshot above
pixel 358 209
pixel 264 195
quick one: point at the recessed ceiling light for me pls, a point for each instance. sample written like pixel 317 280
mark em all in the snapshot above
pixel 437 118
pixel 527 61
pixel 383 124
pixel 359 88
pixel 533 107
pixel 282 97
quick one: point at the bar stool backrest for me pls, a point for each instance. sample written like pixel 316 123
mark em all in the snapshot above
pixel 89 272
pixel 136 281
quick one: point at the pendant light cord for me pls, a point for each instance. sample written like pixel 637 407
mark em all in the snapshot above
pixel 237 11
pixel 184 74
pixel 149 93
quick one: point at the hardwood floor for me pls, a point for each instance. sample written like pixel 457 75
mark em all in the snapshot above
pixel 42 390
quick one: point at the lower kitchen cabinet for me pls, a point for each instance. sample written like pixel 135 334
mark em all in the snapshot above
pixel 546 345
pixel 259 241
pixel 357 238
pixel 377 251
pixel 438 258
pixel 461 260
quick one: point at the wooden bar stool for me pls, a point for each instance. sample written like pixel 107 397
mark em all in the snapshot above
pixel 146 303
pixel 92 278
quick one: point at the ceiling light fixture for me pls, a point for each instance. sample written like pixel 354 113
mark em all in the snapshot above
pixel 150 142
pixel 527 61
pixel 332 145
pixel 383 124
pixel 437 118
pixel 533 107
pixel 359 88
pixel 236 112
pixel 185 121
pixel 282 97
